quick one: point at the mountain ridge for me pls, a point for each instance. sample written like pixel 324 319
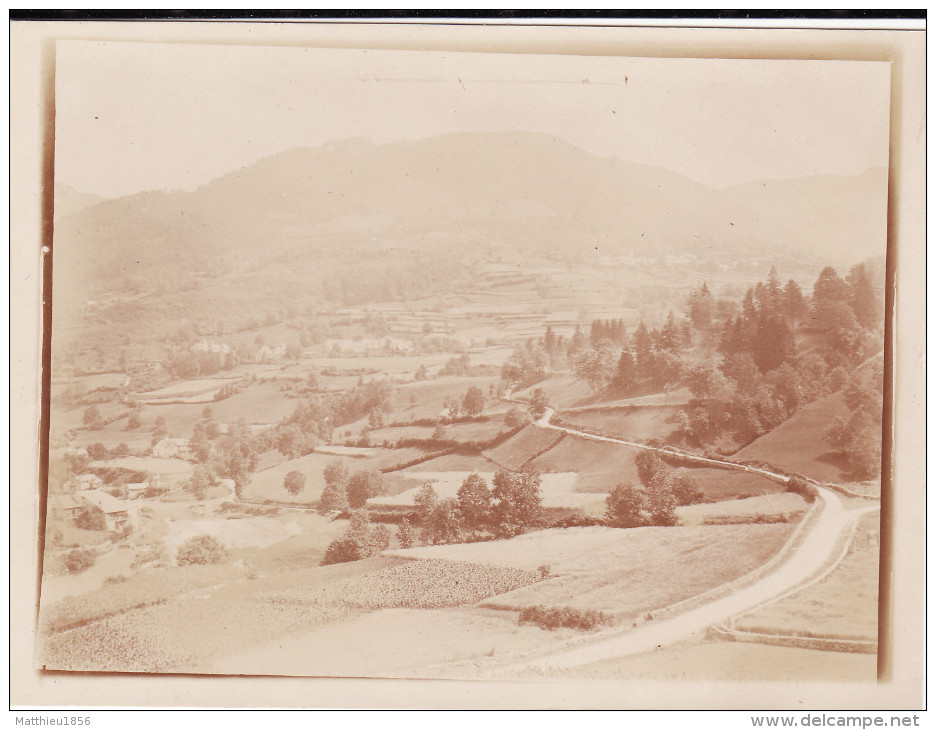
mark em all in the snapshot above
pixel 502 189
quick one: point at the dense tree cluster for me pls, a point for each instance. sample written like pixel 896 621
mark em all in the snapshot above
pixel 655 502
pixel 526 365
pixel 762 380
pixel 345 490
pixel 360 540
pixel 509 506
pixel 651 356
pixel 856 434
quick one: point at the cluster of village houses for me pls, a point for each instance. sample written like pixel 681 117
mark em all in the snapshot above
pixel 88 492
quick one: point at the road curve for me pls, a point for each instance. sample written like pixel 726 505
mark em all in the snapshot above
pixel 818 547
pixel 806 560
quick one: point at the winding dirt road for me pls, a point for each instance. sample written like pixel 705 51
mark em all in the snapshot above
pixel 812 553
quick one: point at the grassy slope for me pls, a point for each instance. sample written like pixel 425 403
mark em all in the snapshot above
pixel 628 572
pixel 600 466
pixel 798 444
pixel 719 484
pixel 430 395
pixel 516 450
pixel 630 423
pixel 562 390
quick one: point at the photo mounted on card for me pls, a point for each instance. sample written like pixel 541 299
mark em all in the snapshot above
pixel 469 366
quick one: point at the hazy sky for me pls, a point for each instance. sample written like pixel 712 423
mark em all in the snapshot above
pixel 136 116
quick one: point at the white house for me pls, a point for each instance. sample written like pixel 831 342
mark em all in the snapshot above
pixel 86 481
pixel 171 447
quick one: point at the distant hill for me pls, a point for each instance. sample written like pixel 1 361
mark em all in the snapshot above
pixel 69 201
pixel 500 188
pixel 292 220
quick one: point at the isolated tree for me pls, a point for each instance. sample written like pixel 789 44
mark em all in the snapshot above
pixel 425 500
pixel 445 523
pixel 92 418
pixel 474 502
pixel 405 534
pixel 356 543
pixel 98 452
pixel 133 420
pixel 596 366
pixel 650 467
pixel 201 550
pixel 198 483
pixel 539 402
pixel 473 401
pixel 362 486
pixel 334 498
pixel 661 504
pixel 294 482
pixel 379 539
pixel 79 559
pixel 199 444
pixel 518 502
pixel 624 506
pixel 335 472
pixel 685 489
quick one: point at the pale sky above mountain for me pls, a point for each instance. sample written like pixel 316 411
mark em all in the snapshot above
pixel 144 116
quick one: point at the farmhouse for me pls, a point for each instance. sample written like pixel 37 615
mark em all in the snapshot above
pixel 116 514
pixel 205 346
pixel 268 354
pixel 64 506
pixel 172 447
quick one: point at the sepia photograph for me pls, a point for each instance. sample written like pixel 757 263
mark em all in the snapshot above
pixel 475 366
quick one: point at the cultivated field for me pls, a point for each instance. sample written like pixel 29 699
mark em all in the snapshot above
pixel 523 446
pixel 627 573
pixel 600 465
